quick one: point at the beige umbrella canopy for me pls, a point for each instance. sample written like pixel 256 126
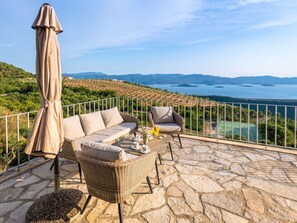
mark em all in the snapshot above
pixel 47 134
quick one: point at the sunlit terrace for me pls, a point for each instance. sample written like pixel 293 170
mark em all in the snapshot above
pixel 239 175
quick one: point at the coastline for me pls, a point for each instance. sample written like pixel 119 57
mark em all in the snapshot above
pixel 256 93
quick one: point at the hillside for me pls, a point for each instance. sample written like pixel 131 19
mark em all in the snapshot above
pixel 10 71
pixel 131 90
pixel 19 91
pixel 150 79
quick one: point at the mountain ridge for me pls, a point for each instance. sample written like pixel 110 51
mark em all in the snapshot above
pixel 150 79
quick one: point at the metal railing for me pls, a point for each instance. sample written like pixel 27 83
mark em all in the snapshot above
pixel 264 124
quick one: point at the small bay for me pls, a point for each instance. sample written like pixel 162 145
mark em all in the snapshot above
pixel 236 91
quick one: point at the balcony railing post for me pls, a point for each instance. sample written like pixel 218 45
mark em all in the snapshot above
pixel 225 120
pixel 203 118
pixel 218 120
pixel 141 114
pixel 285 127
pixel 197 118
pixel 28 129
pixel 266 123
pixel 184 111
pixel 210 119
pixel 248 123
pixel 295 128
pixel 67 111
pixel 146 111
pixel 257 124
pixel 6 143
pixel 18 141
pixel 191 117
pixel 275 126
pixel 132 107
pixel 240 110
pixel 232 112
pixel 137 107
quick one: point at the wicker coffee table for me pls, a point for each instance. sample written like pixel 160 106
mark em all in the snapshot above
pixel 156 145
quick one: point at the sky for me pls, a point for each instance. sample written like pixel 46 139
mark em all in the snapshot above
pixel 217 37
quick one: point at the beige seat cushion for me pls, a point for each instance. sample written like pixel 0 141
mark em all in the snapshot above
pixel 111 117
pixel 103 152
pixel 90 138
pixel 92 122
pixel 106 135
pixel 115 132
pixel 73 128
pixel 169 127
pixel 162 114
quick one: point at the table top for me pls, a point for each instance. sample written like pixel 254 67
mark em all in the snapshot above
pixel 157 145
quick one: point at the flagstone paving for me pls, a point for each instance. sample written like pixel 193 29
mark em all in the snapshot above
pixel 207 182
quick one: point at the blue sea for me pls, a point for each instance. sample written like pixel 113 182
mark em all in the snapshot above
pixel 236 91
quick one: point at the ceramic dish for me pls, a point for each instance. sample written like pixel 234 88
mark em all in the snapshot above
pixel 135 148
pixel 144 151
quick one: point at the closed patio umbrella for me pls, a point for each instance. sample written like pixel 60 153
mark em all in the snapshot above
pixel 47 134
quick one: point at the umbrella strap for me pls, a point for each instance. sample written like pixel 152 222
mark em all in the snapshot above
pixel 47 102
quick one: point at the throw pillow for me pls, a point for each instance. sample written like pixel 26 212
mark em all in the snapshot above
pixel 111 117
pixel 72 128
pixel 92 122
pixel 162 114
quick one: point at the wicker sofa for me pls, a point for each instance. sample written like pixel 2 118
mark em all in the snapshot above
pixel 106 126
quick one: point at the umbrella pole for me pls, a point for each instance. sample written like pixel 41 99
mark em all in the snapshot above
pixel 57 174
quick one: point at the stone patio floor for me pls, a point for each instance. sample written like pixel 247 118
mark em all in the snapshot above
pixel 207 182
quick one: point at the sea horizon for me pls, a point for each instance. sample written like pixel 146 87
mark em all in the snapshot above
pixel 248 91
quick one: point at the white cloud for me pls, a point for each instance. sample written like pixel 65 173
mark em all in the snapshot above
pixel 118 23
pixel 247 2
pixel 199 41
pixel 275 23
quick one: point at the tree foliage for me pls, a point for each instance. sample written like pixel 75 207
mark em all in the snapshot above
pixel 19 93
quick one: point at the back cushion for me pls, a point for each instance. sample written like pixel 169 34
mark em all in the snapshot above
pixel 162 114
pixel 103 151
pixel 73 128
pixel 111 117
pixel 92 122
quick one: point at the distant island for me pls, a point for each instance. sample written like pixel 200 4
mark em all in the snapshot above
pixel 245 85
pixel 219 86
pixel 185 85
pixel 193 79
pixel 267 85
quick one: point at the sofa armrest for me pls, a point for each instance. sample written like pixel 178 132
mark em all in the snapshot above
pixel 151 120
pixel 179 120
pixel 67 150
pixel 129 118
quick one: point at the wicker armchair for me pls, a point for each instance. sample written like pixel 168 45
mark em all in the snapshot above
pixel 115 181
pixel 173 128
pixel 69 148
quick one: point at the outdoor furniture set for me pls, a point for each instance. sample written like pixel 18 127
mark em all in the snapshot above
pixel 102 144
